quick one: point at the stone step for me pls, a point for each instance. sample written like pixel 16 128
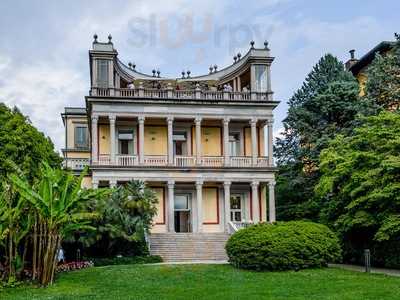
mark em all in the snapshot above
pixel 189 246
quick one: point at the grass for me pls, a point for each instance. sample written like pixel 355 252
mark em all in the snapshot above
pixel 210 282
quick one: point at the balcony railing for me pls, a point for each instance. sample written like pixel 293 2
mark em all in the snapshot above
pixel 76 163
pixel 170 93
pixel 183 161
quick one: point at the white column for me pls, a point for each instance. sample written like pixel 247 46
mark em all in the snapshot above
pixel 113 183
pixel 270 142
pixel 226 141
pixel 199 206
pixel 256 203
pixel 141 139
pixel 254 142
pixel 170 121
pixel 112 138
pixel 171 208
pixel 95 183
pixel 271 201
pixel 198 140
pixel 227 203
pixel 95 151
pixel 239 85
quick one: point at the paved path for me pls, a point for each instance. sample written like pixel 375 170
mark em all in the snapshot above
pixel 390 272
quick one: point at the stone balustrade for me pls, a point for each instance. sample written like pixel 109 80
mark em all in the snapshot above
pixel 196 94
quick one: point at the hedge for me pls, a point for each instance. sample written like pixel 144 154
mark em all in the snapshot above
pixel 290 245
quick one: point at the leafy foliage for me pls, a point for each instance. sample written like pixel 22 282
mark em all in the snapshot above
pixel 325 105
pixel 23 146
pixel 383 78
pixel 56 200
pixel 125 217
pixel 359 188
pixel 283 246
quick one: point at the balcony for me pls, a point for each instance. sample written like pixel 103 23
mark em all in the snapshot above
pixel 76 164
pixel 184 161
pixel 169 93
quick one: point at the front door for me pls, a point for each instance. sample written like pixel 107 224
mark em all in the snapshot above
pixel 236 207
pixel 182 213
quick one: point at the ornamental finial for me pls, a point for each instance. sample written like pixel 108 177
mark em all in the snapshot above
pixel 266 45
pixel 95 38
pixel 252 44
pixel 109 39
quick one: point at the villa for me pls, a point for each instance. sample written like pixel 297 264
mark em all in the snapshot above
pixel 203 143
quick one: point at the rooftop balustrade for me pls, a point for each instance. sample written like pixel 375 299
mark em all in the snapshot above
pixel 170 93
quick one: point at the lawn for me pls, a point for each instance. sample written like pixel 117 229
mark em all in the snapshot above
pixel 210 282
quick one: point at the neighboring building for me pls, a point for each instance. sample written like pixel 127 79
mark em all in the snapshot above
pixel 200 146
pixel 359 66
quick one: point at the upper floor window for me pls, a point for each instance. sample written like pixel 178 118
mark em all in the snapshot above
pixel 81 137
pixel 125 141
pixel 180 143
pixel 102 73
pixel 234 144
pixel 261 78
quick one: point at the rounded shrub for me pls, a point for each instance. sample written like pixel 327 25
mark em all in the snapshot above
pixel 290 245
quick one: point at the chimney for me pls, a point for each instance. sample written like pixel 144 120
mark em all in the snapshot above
pixel 352 61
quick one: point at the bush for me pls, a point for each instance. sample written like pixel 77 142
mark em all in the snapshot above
pixel 126 260
pixel 283 246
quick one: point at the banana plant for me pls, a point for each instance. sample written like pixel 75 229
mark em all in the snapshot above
pixel 57 200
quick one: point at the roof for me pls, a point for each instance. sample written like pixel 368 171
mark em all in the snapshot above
pixel 370 55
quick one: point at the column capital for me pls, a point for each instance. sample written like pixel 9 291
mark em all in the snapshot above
pixel 199 182
pixel 226 120
pixel 198 120
pixel 171 183
pixel 112 118
pixel 270 122
pixel 272 183
pixel 255 183
pixel 253 122
pixel 170 119
pixel 95 119
pixel 227 183
pixel 141 119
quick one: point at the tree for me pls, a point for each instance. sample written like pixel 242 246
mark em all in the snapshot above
pixel 126 215
pixel 22 145
pixel 325 105
pixel 383 78
pixel 359 189
pixel 57 200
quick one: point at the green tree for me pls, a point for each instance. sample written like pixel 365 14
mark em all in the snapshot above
pixel 22 145
pixel 383 78
pixel 325 105
pixel 359 189
pixel 57 199
pixel 127 214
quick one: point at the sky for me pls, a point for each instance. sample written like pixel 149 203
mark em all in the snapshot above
pixel 44 45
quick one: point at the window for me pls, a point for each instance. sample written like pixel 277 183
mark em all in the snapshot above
pixel 180 144
pixel 234 144
pixel 102 73
pixel 125 141
pixel 181 202
pixel 236 208
pixel 81 137
pixel 261 78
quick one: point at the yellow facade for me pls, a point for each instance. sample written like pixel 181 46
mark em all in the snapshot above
pixel 155 140
pixel 211 143
pixel 160 194
pixel 210 205
pixel 86 182
pixel 71 123
pixel 247 141
pixel 77 154
pixel 104 139
pixel 362 80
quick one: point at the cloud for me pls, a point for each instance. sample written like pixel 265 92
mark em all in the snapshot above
pixel 41 91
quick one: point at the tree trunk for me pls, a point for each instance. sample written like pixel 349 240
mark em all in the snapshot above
pixel 34 251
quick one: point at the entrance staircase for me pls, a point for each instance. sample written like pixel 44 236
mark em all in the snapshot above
pixel 189 246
